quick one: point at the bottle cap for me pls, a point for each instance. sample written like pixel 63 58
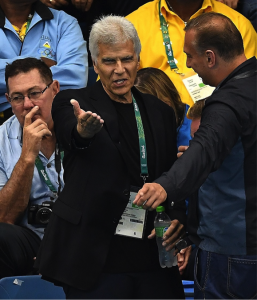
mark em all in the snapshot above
pixel 160 208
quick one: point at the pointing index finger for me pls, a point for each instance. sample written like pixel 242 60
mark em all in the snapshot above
pixel 141 195
pixel 30 115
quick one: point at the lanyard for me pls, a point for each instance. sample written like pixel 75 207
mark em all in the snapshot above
pixel 43 174
pixel 166 42
pixel 142 143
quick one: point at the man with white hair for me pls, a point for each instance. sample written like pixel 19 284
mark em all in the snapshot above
pixel 114 138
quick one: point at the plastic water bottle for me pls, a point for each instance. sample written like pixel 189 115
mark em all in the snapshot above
pixel 161 224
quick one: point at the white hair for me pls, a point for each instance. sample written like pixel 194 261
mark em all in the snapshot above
pixel 112 30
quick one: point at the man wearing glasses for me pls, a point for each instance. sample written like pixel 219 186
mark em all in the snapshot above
pixel 30 164
pixel 28 28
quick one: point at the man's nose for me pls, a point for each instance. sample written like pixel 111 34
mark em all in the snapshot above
pixel 119 69
pixel 27 103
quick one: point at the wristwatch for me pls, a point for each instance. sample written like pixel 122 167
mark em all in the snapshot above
pixel 181 244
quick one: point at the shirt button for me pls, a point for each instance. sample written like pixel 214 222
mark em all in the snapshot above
pixel 48 165
pixel 126 192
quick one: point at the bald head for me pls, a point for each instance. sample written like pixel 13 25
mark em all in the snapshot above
pixel 214 31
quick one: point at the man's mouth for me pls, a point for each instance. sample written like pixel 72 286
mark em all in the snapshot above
pixel 120 81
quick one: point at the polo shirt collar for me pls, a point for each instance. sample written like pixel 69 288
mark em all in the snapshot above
pixel 164 8
pixel 207 6
pixel 41 9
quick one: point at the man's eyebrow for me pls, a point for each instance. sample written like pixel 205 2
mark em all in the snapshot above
pixel 127 57
pixel 106 59
pixel 34 87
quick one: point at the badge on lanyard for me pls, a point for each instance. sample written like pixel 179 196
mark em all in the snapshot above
pixel 196 88
pixel 133 219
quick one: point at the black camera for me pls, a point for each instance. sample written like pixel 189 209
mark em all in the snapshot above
pixel 40 213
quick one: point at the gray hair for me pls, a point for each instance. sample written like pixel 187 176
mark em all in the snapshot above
pixel 112 30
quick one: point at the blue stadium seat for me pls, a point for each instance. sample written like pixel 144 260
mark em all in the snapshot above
pixel 29 287
pixel 188 289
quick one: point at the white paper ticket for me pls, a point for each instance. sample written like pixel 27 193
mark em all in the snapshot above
pixel 132 221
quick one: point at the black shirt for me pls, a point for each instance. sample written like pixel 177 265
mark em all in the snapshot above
pixel 129 254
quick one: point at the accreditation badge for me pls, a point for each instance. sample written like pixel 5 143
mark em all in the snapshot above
pixel 133 219
pixel 196 88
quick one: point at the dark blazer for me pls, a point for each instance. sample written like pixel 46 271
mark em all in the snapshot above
pixel 96 191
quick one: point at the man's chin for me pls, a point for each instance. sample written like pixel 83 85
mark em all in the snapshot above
pixel 203 80
pixel 207 83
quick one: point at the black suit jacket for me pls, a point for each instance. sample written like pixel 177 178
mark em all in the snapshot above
pixel 97 185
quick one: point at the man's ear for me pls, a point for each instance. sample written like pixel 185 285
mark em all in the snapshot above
pixel 7 97
pixel 95 67
pixel 56 87
pixel 211 58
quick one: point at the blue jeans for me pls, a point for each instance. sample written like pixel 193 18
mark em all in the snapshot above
pixel 220 276
pixel 248 8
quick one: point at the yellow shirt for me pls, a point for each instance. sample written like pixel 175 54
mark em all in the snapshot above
pixel 147 23
pixel 21 31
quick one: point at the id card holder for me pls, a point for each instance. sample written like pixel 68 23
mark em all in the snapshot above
pixel 133 219
pixel 195 86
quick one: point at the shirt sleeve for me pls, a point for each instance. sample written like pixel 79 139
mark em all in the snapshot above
pixel 216 136
pixel 3 176
pixel 71 69
pixel 72 58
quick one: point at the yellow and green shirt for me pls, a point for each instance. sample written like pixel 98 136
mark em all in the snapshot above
pixel 21 31
pixel 24 28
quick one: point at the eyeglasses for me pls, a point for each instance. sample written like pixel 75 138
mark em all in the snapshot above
pixel 34 95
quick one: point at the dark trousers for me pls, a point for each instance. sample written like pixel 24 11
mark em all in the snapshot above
pixel 220 276
pixel 18 247
pixel 161 284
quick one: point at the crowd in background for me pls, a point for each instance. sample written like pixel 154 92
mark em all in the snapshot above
pixel 59 33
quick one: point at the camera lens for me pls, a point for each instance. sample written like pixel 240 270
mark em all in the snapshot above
pixel 43 215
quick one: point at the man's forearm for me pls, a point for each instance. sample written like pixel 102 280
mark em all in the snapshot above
pixel 14 196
